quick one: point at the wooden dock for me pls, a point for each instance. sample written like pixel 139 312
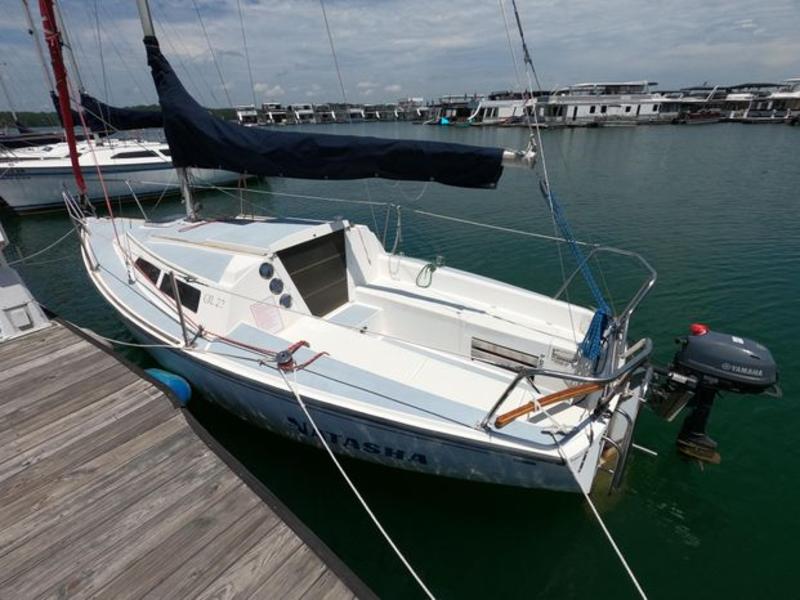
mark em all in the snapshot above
pixel 109 490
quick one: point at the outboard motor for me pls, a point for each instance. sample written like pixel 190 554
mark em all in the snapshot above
pixel 707 363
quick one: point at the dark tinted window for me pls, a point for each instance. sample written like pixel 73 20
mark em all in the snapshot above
pixel 190 296
pixel 318 269
pixel 149 270
pixel 136 154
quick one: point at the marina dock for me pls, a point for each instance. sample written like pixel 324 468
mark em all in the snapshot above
pixel 108 489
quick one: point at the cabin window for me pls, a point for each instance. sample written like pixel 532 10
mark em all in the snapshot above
pixel 136 154
pixel 591 109
pixel 190 296
pixel 655 107
pixel 603 109
pixel 627 109
pixel 318 269
pixel 149 270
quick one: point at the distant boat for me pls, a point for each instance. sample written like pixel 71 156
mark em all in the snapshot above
pixel 32 179
pixel 602 103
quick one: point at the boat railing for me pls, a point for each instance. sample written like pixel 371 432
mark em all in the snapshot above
pixel 623 319
pixel 640 352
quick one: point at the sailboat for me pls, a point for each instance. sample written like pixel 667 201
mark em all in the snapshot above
pixel 401 362
pixel 32 178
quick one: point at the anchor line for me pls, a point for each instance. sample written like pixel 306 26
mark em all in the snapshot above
pixel 603 526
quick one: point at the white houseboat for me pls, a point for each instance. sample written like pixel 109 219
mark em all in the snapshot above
pixel 274 113
pixel 610 103
pixel 247 115
pixel 302 113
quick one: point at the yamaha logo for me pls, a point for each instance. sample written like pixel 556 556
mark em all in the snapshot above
pixel 742 370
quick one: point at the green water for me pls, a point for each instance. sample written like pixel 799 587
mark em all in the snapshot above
pixel 715 210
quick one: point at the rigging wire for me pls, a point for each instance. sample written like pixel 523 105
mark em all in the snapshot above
pixel 536 128
pixel 100 52
pixel 171 34
pixel 213 54
pixel 247 55
pixel 335 58
pixel 531 70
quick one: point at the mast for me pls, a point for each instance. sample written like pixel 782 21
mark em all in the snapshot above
pixel 66 43
pixel 53 40
pixel 183 172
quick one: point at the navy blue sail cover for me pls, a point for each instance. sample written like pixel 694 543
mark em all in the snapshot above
pixel 101 117
pixel 199 139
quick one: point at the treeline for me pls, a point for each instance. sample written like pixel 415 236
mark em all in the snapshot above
pixel 49 119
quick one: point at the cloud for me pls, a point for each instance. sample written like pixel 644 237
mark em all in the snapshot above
pixel 269 91
pixel 426 52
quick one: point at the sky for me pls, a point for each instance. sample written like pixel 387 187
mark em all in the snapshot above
pixel 391 49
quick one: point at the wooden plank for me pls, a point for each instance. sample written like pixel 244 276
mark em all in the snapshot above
pixel 328 587
pixel 47 385
pixel 75 427
pixel 79 450
pixel 30 417
pixel 83 517
pixel 294 577
pixel 80 548
pixel 17 365
pixel 115 546
pixel 141 571
pixel 37 342
pixel 27 514
pixel 245 576
pixel 214 558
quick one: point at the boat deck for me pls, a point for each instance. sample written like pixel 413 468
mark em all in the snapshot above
pixel 108 490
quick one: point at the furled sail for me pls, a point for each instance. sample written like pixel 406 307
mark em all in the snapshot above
pixel 199 139
pixel 101 117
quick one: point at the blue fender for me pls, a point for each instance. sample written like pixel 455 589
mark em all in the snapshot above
pixel 177 384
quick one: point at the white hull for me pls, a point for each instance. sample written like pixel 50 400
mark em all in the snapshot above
pixel 367 438
pixel 26 189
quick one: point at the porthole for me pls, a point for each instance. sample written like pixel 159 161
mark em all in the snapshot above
pixel 266 270
pixel 286 301
pixel 276 286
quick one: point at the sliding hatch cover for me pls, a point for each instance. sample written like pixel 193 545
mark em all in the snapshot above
pixel 318 269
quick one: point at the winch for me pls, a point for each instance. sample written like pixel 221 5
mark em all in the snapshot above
pixel 707 363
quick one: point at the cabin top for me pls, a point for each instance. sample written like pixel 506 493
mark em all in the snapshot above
pixel 257 238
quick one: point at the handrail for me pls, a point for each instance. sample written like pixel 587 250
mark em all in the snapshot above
pixel 526 373
pixel 529 407
pixel 641 292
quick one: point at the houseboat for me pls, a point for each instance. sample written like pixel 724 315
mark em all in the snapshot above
pixel 454 110
pixel 301 113
pixel 609 103
pixel 324 113
pixel 274 113
pixel 499 108
pixel 247 115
